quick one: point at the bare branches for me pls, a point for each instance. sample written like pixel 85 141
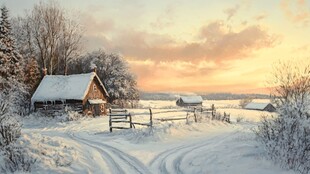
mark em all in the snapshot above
pixel 286 136
pixel 291 81
pixel 51 36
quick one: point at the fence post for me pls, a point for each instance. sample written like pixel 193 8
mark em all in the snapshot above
pixel 195 115
pixel 130 120
pixel 151 118
pixel 213 111
pixel 110 120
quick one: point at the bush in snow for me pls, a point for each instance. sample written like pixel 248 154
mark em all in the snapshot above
pixel 16 159
pixel 225 117
pixel 286 137
pixel 239 119
pixel 10 128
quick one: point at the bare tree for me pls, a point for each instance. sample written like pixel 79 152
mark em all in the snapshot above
pixel 51 36
pixel 70 42
pixel 290 81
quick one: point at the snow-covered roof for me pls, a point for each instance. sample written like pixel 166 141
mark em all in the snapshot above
pixel 259 106
pixel 96 101
pixel 61 87
pixel 191 99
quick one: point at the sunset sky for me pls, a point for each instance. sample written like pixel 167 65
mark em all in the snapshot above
pixel 197 45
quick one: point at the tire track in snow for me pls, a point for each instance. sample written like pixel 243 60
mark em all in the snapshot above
pixel 113 154
pixel 113 165
pixel 178 153
pixel 130 160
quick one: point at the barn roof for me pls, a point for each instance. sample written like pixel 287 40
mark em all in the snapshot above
pixel 257 106
pixel 191 99
pixel 61 87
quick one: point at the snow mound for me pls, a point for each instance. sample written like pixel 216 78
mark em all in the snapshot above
pixel 50 153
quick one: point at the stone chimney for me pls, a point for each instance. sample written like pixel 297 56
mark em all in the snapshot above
pixel 95 69
pixel 44 71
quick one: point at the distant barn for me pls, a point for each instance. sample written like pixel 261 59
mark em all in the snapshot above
pixel 185 101
pixel 260 107
pixel 84 93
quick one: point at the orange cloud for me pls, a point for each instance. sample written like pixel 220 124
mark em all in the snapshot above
pixel 217 43
pixel 296 11
pixel 164 63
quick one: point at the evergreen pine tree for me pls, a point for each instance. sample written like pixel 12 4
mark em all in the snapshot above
pixel 10 60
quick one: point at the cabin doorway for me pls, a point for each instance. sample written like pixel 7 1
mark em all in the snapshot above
pixel 97 110
pixel 97 107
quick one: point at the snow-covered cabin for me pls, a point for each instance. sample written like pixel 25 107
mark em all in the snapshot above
pixel 186 101
pixel 260 107
pixel 84 93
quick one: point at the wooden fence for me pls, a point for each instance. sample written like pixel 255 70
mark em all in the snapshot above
pixel 123 116
pixel 192 112
pixel 119 116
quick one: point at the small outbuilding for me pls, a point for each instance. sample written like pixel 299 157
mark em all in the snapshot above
pixel 260 107
pixel 84 93
pixel 186 101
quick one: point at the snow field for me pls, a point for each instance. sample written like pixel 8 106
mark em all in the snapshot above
pixel 170 147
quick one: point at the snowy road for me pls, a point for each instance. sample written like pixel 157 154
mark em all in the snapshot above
pixel 117 160
pixel 179 159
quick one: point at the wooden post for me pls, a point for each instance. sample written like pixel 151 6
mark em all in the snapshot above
pixel 195 115
pixel 130 120
pixel 187 122
pixel 151 118
pixel 212 112
pixel 110 120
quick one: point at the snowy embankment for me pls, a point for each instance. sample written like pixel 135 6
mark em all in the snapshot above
pixel 86 146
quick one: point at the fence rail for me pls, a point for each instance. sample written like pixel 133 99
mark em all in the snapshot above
pixel 123 116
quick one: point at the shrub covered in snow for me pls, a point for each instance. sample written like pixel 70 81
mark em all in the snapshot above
pixel 286 137
pixel 10 128
pixel 218 116
pixel 16 159
pixel 239 119
pixel 49 152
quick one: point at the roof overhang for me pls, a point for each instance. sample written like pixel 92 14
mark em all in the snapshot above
pixel 96 101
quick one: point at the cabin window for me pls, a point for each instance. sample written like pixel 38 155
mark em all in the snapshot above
pixel 95 88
